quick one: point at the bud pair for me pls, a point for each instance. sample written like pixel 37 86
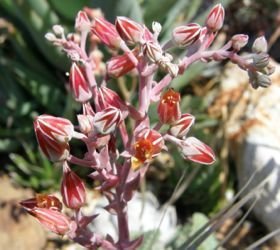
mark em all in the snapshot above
pixel 53 135
pixel 46 209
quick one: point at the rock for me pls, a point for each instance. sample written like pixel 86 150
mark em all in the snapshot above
pixel 251 127
pixel 18 230
pixel 144 215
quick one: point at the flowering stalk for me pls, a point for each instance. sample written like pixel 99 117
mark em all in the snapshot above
pixel 104 114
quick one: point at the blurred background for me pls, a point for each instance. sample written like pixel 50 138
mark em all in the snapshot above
pixel 231 117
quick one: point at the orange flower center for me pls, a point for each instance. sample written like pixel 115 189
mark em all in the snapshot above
pixel 143 150
pixel 170 97
pixel 47 201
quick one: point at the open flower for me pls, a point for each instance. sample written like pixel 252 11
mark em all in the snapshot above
pixel 53 135
pixel 148 144
pixel 169 107
pixel 42 201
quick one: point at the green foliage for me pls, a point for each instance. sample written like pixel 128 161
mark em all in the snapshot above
pixel 33 170
pixel 113 8
pixel 184 232
pixel 32 82
pixel 150 240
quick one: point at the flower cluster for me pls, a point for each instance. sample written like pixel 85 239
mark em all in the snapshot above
pixel 104 116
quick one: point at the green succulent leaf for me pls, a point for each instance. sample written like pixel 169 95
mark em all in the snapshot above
pixel 113 8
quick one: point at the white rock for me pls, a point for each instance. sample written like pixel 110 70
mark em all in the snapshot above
pixel 143 215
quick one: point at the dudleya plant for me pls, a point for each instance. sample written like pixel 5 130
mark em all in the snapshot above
pixel 104 115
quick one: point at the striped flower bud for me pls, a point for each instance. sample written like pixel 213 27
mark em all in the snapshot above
pixel 52 220
pixel 120 65
pixel 215 18
pixel 197 151
pixel 82 22
pixel 107 120
pixel 110 98
pixel 148 144
pixel 153 51
pixel 53 135
pixel 169 107
pixel 239 41
pixel 78 84
pixel 72 189
pixel 186 35
pixel 106 32
pixel 130 31
pixel 182 126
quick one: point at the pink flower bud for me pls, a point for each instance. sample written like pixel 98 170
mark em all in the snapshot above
pixel 107 120
pixel 82 22
pixel 186 35
pixel 182 126
pixel 85 123
pixel 148 144
pixel 78 83
pixel 110 98
pixel 53 135
pixel 72 189
pixel 215 18
pixel 120 65
pixel 239 41
pixel 106 32
pixel 169 107
pixel 129 30
pixel 153 51
pixel 197 151
pixel 52 220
